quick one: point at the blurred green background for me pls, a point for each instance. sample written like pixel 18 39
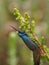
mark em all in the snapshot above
pixel 38 11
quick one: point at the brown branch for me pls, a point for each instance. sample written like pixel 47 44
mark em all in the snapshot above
pixel 42 51
pixel 39 43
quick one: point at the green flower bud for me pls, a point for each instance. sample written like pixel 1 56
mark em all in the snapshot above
pixel 26 16
pixel 42 40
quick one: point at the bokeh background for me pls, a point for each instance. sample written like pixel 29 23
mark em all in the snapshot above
pixel 38 11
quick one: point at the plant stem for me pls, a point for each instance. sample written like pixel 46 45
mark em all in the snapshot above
pixel 12 49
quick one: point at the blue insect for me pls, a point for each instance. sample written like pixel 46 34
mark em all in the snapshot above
pixel 30 44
